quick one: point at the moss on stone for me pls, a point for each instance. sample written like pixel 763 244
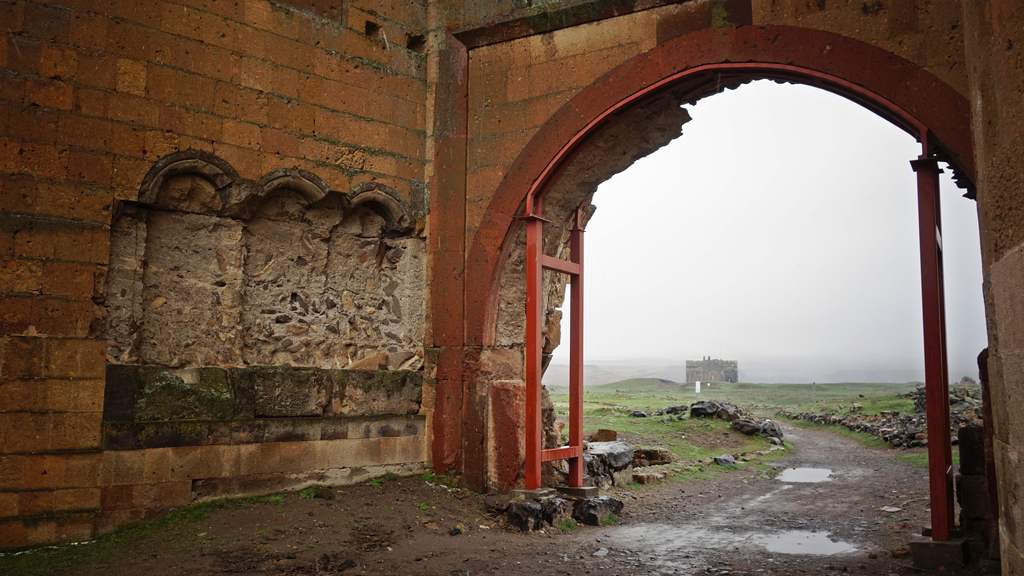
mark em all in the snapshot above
pixel 164 396
pixel 390 382
pixel 719 15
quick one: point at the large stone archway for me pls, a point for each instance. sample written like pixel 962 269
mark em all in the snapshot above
pixel 482 378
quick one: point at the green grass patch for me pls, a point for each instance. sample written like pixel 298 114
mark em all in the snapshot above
pixel 175 531
pixel 655 393
pixel 610 520
pixel 567 525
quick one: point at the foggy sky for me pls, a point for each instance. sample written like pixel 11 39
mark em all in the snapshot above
pixel 781 225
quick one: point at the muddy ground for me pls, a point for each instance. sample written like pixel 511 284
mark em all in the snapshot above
pixel 742 522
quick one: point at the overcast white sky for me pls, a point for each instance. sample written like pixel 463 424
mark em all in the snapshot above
pixel 782 225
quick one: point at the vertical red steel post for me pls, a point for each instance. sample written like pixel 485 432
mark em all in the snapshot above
pixel 936 382
pixel 534 344
pixel 576 354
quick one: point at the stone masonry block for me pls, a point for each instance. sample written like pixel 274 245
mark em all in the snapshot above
pixel 183 395
pixel 83 470
pixel 75 358
pixel 973 497
pixel 123 467
pixel 13 534
pixel 77 528
pixel 76 430
pixel 35 502
pixel 285 391
pixel 41 531
pixel 1010 471
pixel 76 499
pixel 369 393
pixel 44 472
pixel 31 432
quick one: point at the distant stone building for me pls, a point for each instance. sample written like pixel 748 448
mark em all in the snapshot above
pixel 711 370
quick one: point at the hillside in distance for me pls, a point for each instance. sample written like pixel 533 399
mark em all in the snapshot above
pixel 752 369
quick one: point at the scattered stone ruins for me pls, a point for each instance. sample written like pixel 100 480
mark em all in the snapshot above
pixel 257 244
pixel 712 370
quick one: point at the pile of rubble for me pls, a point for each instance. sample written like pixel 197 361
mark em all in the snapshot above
pixel 963 401
pixel 742 422
pixel 553 511
pixel 897 429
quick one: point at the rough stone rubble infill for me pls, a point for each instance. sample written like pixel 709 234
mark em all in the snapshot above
pixel 900 430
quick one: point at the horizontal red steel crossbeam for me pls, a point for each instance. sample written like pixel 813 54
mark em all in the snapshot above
pixel 562 453
pixel 559 265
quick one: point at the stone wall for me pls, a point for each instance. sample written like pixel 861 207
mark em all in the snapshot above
pixel 116 249
pixel 995 40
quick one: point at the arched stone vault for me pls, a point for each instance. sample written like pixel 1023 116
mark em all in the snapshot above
pixel 494 273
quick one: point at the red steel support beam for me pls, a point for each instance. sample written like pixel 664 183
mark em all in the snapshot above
pixel 563 453
pixel 534 344
pixel 559 265
pixel 576 353
pixel 940 456
pixel 536 263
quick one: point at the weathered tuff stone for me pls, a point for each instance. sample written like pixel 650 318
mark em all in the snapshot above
pixel 746 426
pixel 371 393
pixel 556 510
pixel 729 412
pixel 771 429
pixel 591 511
pixel 608 463
pixel 614 455
pixel 280 391
pixel 725 460
pixel 197 394
pixel 525 515
pixel 704 409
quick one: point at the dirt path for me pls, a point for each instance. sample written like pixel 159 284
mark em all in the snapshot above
pixel 749 524
pixel 742 522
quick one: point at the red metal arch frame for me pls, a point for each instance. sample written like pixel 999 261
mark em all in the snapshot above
pixel 698 64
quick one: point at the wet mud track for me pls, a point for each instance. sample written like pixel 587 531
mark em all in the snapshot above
pixel 824 517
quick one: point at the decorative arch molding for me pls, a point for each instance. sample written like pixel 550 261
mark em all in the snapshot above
pixel 307 185
pixel 213 169
pixel 237 197
pixel 861 72
pixel 386 202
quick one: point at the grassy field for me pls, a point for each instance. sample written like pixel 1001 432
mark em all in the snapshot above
pixel 609 406
pixel 653 393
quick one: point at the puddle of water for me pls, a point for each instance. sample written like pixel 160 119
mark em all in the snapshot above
pixel 805 475
pixel 669 541
pixel 800 542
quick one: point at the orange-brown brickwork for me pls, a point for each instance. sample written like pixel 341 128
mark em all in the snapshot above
pixel 91 95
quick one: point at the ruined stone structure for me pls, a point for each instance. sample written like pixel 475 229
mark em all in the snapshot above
pixel 712 370
pixel 255 244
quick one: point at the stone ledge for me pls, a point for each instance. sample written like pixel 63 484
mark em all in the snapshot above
pixel 154 394
pixel 132 435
